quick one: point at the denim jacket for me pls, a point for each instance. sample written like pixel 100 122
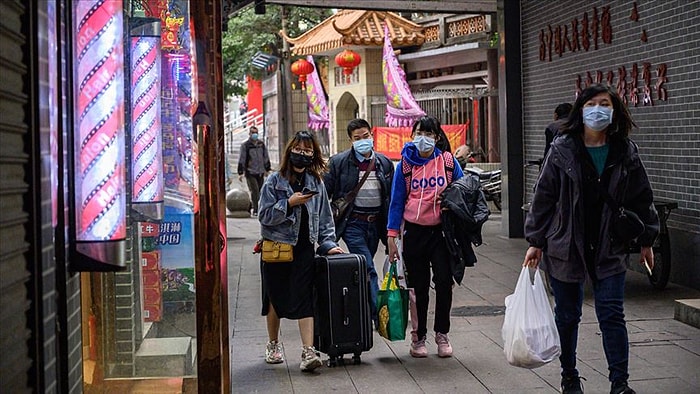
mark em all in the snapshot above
pixel 280 223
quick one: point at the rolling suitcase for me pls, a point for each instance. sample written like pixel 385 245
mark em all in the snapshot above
pixel 343 324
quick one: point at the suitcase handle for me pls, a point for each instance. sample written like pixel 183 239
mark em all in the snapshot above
pixel 346 317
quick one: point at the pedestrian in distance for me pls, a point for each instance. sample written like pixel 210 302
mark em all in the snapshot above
pixel 572 232
pixel 561 113
pixel 364 225
pixel 294 209
pixel 424 172
pixel 254 164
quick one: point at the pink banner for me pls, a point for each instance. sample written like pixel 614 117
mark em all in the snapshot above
pixel 316 100
pixel 401 108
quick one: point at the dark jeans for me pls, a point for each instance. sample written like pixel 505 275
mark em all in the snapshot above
pixel 424 247
pixel 609 297
pixel 362 237
pixel 255 183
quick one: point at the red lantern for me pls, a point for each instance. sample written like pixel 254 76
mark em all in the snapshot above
pixel 348 60
pixel 302 68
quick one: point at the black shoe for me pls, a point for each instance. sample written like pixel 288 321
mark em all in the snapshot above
pixel 571 385
pixel 621 387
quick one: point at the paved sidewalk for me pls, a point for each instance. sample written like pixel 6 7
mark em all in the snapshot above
pixel 664 353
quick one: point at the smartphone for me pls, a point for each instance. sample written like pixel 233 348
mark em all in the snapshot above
pixel 308 192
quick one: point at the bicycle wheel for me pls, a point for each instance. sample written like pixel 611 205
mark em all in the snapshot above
pixel 662 263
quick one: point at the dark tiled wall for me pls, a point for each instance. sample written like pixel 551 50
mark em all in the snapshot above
pixel 669 131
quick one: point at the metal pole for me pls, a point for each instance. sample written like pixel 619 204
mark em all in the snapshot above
pixel 287 114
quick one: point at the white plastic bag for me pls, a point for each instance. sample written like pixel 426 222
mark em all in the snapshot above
pixel 530 336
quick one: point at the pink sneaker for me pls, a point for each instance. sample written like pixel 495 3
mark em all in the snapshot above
pixel 418 349
pixel 444 347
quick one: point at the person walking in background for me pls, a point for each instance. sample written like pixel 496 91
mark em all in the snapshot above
pixel 365 224
pixel 424 172
pixel 294 209
pixel 561 113
pixel 254 163
pixel 570 226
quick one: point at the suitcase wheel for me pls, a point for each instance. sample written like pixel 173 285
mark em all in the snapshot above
pixel 335 361
pixel 356 359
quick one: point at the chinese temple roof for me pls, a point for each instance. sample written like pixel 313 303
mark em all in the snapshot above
pixel 356 27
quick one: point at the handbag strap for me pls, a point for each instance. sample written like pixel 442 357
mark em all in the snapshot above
pixel 609 199
pixel 350 197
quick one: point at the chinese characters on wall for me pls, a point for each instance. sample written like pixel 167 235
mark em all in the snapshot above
pixel 585 35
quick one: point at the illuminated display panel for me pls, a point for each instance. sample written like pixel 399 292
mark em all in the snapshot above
pixel 147 140
pixel 99 121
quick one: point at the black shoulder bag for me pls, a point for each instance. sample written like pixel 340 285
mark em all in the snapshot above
pixel 626 225
pixel 339 207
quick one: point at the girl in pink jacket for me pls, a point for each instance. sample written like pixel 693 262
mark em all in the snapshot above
pixel 424 172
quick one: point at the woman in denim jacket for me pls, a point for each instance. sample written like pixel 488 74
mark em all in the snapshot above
pixel 294 209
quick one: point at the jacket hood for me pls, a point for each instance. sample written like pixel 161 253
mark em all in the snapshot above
pixel 412 156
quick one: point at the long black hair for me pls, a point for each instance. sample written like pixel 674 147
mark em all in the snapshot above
pixel 622 122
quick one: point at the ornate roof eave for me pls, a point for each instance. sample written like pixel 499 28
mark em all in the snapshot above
pixel 365 30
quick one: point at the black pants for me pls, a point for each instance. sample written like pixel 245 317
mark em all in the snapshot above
pixel 255 183
pixel 424 247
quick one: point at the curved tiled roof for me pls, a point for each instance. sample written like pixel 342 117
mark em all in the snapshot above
pixel 356 27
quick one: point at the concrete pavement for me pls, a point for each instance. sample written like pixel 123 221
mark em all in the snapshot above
pixel 664 353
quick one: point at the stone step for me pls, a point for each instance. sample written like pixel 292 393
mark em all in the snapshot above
pixel 165 357
pixel 688 311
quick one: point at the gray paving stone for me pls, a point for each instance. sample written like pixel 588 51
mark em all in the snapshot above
pixel 664 353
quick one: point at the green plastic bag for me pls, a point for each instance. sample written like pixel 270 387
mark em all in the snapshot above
pixel 392 307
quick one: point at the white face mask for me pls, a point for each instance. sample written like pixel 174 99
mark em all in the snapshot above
pixel 423 143
pixel 597 117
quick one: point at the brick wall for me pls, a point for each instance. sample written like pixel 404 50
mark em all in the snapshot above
pixel 669 131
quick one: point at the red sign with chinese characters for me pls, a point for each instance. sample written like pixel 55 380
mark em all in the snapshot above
pixel 390 140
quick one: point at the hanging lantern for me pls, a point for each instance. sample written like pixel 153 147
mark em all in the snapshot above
pixel 348 60
pixel 302 68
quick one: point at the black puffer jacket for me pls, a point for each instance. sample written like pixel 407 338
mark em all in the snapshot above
pixel 557 216
pixel 466 213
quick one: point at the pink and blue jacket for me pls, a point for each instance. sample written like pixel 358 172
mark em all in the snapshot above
pixel 419 204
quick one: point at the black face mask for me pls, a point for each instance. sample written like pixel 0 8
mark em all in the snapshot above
pixel 300 161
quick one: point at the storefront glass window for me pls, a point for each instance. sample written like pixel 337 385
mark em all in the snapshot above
pixel 138 322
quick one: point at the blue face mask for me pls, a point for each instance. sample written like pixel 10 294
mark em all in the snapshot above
pixel 363 146
pixel 423 143
pixel 254 136
pixel 597 118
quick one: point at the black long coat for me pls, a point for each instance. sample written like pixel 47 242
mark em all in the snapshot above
pixel 556 217
pixel 466 213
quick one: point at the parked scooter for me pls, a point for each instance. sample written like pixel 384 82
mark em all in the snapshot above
pixel 490 184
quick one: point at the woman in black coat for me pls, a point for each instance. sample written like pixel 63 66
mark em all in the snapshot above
pixel 570 225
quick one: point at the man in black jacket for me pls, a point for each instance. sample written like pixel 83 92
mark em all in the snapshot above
pixel 365 224
pixel 254 163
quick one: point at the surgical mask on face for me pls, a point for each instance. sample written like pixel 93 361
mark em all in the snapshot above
pixel 597 118
pixel 363 146
pixel 423 143
pixel 300 161
pixel 254 136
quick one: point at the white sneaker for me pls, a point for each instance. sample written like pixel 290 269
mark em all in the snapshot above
pixel 274 354
pixel 309 359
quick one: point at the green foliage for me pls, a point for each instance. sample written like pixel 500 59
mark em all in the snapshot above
pixel 249 33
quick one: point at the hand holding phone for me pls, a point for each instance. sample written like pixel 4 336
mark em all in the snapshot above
pixel 309 192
